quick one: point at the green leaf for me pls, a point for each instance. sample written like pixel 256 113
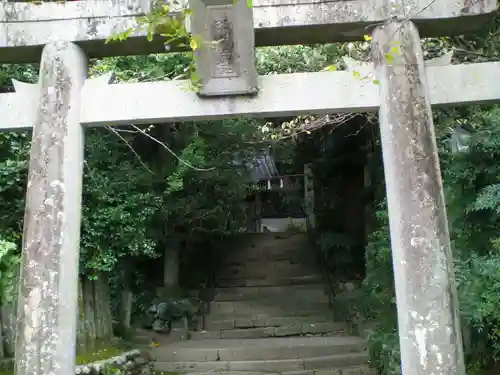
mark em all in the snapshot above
pixel 194 77
pixel 330 68
pixel 193 44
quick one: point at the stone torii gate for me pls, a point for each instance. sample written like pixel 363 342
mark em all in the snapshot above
pixel 64 35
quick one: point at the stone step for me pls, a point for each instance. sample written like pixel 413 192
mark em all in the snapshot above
pixel 289 240
pixel 273 247
pixel 239 260
pixel 212 323
pixel 265 255
pixel 263 269
pixel 351 370
pixel 252 293
pixel 280 365
pixel 142 340
pixel 270 281
pixel 268 320
pixel 277 306
pixel 258 349
pixel 330 328
pixel 232 264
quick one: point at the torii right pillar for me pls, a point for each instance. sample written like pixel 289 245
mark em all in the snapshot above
pixel 429 326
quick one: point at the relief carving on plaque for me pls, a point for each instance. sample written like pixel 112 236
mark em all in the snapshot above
pixel 224 56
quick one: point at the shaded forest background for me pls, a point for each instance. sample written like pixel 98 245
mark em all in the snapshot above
pixel 175 187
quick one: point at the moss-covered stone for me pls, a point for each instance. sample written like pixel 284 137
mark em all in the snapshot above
pixel 98 355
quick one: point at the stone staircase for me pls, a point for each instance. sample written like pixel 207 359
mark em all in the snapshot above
pixel 270 315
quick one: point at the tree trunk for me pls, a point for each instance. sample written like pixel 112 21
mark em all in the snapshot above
pixel 171 267
pixel 89 312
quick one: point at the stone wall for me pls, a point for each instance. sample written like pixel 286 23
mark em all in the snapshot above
pixel 133 362
pixel 130 363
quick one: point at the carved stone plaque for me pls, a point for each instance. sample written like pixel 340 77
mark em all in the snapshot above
pixel 225 60
pixel 225 63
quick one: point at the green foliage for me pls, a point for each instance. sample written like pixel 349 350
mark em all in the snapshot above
pixel 116 217
pixel 9 264
pixel 144 68
pixel 488 199
pixel 471 183
pixel 13 170
pixel 293 59
pixel 14 153
pixel 384 349
pixel 379 280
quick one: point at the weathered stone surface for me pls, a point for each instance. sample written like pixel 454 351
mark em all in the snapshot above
pixel 276 22
pixel 249 322
pixel 352 371
pixel 250 333
pixel 205 335
pixel 268 306
pixel 48 295
pixel 187 354
pixel 258 349
pixel 216 325
pixel 267 365
pixel 335 361
pixel 429 326
pixel 263 269
pixel 281 95
pixel 191 366
pixel 289 330
pixel 25 12
pixel 299 372
pixel 323 327
pixel 225 62
pixel 129 363
pixel 327 372
pixel 250 294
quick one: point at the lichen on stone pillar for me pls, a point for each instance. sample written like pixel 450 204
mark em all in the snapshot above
pixel 429 328
pixel 48 291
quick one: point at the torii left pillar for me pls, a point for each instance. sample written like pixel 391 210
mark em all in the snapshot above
pixel 48 291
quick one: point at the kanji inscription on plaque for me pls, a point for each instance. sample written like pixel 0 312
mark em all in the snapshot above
pixel 223 52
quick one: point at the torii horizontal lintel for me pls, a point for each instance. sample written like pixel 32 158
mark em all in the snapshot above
pixel 26 27
pixel 280 95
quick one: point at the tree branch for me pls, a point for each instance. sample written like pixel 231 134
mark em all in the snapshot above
pixel 171 152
